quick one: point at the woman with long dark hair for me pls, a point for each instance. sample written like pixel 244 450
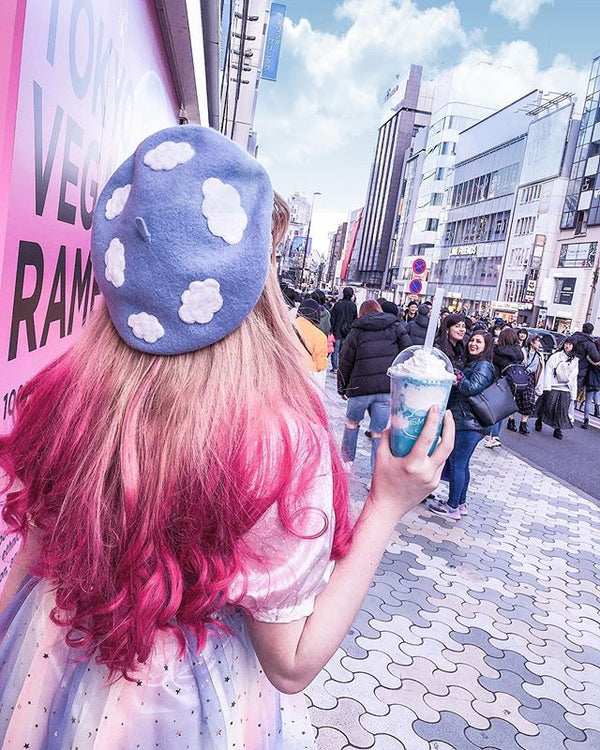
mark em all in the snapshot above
pixel 559 384
pixel 450 338
pixel 475 377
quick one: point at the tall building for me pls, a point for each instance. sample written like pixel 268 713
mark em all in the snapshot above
pixel 337 243
pixel 408 109
pixel 244 27
pixel 427 172
pixel 570 293
pixel 290 251
pixel 530 247
pixel 480 203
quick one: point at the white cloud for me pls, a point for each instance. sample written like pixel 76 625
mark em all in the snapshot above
pixel 223 210
pixel 146 327
pixel 168 155
pixel 114 258
pixel 116 203
pixel 201 301
pixel 519 12
pixel 318 125
pixel 495 80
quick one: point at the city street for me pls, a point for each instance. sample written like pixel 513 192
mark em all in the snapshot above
pixel 573 460
pixel 477 634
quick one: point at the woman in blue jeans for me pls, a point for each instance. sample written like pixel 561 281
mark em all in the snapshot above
pixel 373 343
pixel 475 377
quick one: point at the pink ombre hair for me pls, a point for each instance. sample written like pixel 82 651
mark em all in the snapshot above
pixel 142 473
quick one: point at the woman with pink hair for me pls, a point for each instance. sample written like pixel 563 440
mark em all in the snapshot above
pixel 188 562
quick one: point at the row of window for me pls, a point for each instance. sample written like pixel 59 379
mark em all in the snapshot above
pixel 513 290
pixel 531 193
pixel 525 225
pixel 518 257
pixel 468 270
pixel 485 186
pixel 488 228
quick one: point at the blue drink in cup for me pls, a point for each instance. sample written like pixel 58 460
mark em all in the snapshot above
pixel 420 379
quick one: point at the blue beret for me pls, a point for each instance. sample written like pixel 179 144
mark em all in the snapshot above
pixel 181 240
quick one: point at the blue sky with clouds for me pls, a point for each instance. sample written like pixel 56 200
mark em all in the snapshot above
pixel 317 124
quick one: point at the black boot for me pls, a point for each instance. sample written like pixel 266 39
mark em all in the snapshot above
pixel 584 424
pixel 511 425
pixel 538 425
pixel 523 429
pixel 558 433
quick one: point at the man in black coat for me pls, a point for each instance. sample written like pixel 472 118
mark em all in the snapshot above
pixel 585 347
pixel 417 327
pixel 343 314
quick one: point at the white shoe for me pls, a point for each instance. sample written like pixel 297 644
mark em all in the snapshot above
pixel 492 442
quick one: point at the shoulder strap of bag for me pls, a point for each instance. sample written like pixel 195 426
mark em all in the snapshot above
pixel 302 341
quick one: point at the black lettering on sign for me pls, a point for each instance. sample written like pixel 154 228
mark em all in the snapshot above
pixel 56 306
pixel 70 172
pixel 80 291
pixel 83 290
pixel 30 254
pixel 43 167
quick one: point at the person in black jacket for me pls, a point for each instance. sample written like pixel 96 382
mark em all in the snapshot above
pixel 373 343
pixel 343 314
pixel 417 327
pixel 507 352
pixel 592 389
pixel 585 351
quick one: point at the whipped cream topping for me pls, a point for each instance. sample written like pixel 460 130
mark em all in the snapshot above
pixel 424 365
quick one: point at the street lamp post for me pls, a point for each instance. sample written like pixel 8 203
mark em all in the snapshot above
pixel 312 205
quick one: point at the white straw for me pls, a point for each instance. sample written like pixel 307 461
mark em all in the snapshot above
pixel 433 319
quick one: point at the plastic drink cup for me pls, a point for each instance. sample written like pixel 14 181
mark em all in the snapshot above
pixel 420 379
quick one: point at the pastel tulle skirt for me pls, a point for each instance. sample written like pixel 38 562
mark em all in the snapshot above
pixel 218 700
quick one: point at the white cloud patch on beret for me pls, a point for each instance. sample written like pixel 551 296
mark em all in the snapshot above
pixel 116 202
pixel 146 327
pixel 114 259
pixel 168 155
pixel 223 209
pixel 201 300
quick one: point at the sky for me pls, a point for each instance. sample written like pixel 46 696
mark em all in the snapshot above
pixel 317 124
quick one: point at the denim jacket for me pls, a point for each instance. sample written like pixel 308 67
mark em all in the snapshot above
pixel 476 377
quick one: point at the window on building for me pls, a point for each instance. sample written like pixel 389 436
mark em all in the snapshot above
pixel 432 225
pixel 440 173
pixel 564 288
pixel 578 255
pixel 448 147
pixel 437 199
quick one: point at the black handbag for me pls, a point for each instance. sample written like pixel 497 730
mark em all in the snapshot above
pixel 494 403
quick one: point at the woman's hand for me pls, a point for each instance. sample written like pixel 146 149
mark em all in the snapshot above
pixel 401 483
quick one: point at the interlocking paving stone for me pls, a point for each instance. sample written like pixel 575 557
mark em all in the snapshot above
pixel 480 634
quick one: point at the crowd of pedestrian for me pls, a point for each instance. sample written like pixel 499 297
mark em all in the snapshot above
pixel 546 386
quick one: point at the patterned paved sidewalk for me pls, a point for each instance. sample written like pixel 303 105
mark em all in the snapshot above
pixel 480 634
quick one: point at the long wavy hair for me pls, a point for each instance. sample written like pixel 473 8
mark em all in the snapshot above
pixel 141 474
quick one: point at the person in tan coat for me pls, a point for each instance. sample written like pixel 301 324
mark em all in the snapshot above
pixel 311 340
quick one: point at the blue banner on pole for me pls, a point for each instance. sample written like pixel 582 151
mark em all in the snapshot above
pixel 273 42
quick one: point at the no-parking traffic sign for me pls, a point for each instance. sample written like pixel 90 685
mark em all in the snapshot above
pixel 419 266
pixel 415 286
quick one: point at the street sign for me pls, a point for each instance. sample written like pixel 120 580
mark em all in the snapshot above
pixel 419 266
pixel 415 286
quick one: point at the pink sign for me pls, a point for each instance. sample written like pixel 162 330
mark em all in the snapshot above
pixel 87 81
